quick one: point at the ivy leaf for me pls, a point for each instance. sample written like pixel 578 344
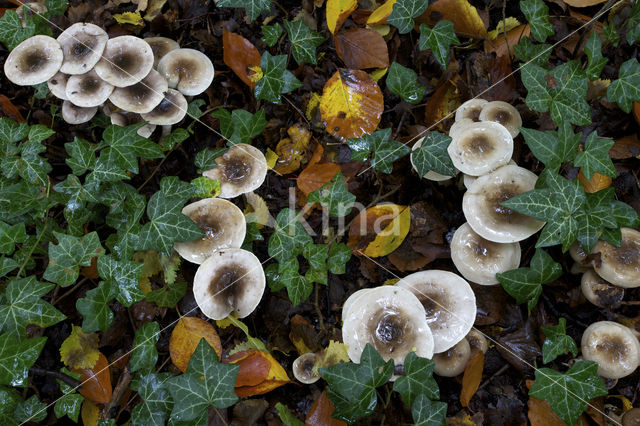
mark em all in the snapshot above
pixel 352 387
pixel 596 62
pixel 626 89
pixel 557 342
pixel 10 235
pixel 289 236
pixel 316 255
pixel 537 14
pixel 94 307
pixel 31 410
pixel 439 39
pixel 403 82
pixel 169 295
pixel 403 13
pixel 431 154
pixel 298 288
pixel 239 126
pixel 303 41
pixel 207 383
pixel 276 79
pixel 525 284
pixel 286 416
pixel 125 145
pixel 569 394
pixel 528 51
pixel 334 196
pixel 339 255
pixel 9 399
pixel 68 405
pixel 11 31
pixel 7 265
pixel 206 159
pixel 71 252
pixel 428 413
pixel 156 401
pixel 23 306
pixel 124 277
pixel 385 150
pixel 16 358
pixel 418 380
pixel 253 7
pixel 595 157
pixel 56 7
pixel 145 354
pixel 633 24
pixel 174 138
pixel 553 148
pixel 271 34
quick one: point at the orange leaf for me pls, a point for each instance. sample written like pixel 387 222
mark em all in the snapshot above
pixel 293 149
pixel 369 223
pixel 338 11
pixel 442 103
pixel 320 413
pixel 625 147
pixel 380 15
pixel 541 414
pixel 465 17
pixel 499 45
pixel 636 111
pixel 472 377
pixel 239 55
pixel 583 3
pixel 351 104
pixel 185 338
pixel 596 183
pixel 89 413
pixel 259 373
pixel 10 110
pixel 96 381
pixel 361 48
pixel 314 176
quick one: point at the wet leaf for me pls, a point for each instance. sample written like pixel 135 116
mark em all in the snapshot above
pixel 253 7
pixel 303 41
pixel 537 14
pixel 96 381
pixel 240 54
pixel 527 51
pixel 403 13
pixel 471 378
pixel 276 79
pixel 334 196
pixel 156 401
pixel 315 176
pixel 595 157
pixel 626 89
pixel 596 63
pixel 185 338
pixel 287 417
pixel 293 149
pixel 442 103
pixel 68 255
pixel 240 126
pixel 380 15
pixel 557 342
pixel 321 412
pixel 428 413
pixel 392 235
pixel 132 18
pixel 11 31
pixel 403 82
pixel 80 350
pixel 362 48
pixel 9 109
pixel 271 34
pixel 384 149
pixel 626 147
pixel 145 355
pixel 504 46
pixel 123 277
pixel 259 373
pixel 439 39
pixel 17 357
pixel 30 410
pixel 432 155
pixel 89 413
pixel 333 354
pixel 417 380
pixel 94 308
pixel 338 11
pixel 465 17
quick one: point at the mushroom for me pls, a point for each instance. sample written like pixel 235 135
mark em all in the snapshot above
pixel 460 125
pixel 223 224
pixel 170 110
pixel 58 85
pixel 470 109
pixel 478 259
pixel 449 303
pixel 143 96
pixel 620 265
pixel 482 207
pixel 33 61
pixel 125 61
pixel 468 180
pixel 631 417
pixel 480 148
pixel 477 341
pixel 452 362
pixel 613 346
pixel 599 292
pixel 87 90
pixel 392 320
pixel 502 113
pixel 82 44
pixel 229 280
pixel 187 70
pixel 160 46
pixel 240 170
pixel 304 368
pixel 73 114
pixel 577 252
pixel 124 118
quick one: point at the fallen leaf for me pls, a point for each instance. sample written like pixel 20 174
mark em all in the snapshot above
pixel 312 106
pixel 394 232
pixel 132 18
pixel 471 378
pixel 540 412
pixel 96 381
pixel 583 3
pixel 338 11
pixel 596 183
pixel 625 147
pixel 406 259
pixel 315 176
pixel 376 75
pixel 154 7
pixel 239 55
pixel 351 104
pixel 80 350
pixel 370 222
pixel 636 111
pixel 361 48
pixel 320 412
pixel 502 26
pixel 333 354
pixel 256 210
pixel 303 336
pixel 293 149
pixel 462 418
pixel 10 110
pixel 465 17
pixel 259 373
pixel 442 103
pixel 91 271
pixel 89 413
pixel 185 338
pixel 499 45
pixel 380 15
pixel 271 158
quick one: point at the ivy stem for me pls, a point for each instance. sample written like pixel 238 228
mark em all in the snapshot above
pixel 590 25
pixel 316 304
pixel 26 259
pixel 68 380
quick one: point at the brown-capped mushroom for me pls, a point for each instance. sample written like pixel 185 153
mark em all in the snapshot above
pixel 620 265
pixel 599 292
pixel 241 169
pixel 304 368
pixel 58 85
pixel 170 110
pixel 77 115
pixel 613 346
pixel 34 61
pixel 125 61
pixel 143 96
pixel 87 90
pixel 631 417
pixel 477 342
pixel 503 113
pixel 82 44
pixel 470 109
pixel 187 70
pixel 577 252
pixel 160 47
pixel 452 362
pixel 480 148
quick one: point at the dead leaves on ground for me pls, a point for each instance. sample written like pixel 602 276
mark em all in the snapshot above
pixel 471 378
pixel 321 411
pixel 259 373
pixel 241 56
pixel 96 381
pixel 465 17
pixel 338 11
pixel 80 350
pixel 316 174
pixel 362 48
pixel 380 229
pixel 185 338
pixel 292 150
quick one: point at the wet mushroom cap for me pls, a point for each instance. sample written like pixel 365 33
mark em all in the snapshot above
pixel 87 90
pixel 613 346
pixel 82 44
pixel 599 292
pixel 125 61
pixel 631 417
pixel 452 362
pixel 470 109
pixel 460 125
pixel 58 85
pixel 34 61
pixel 482 207
pixel 229 280
pixel 170 110
pixel 477 341
pixel 77 115
pixel 392 320
pixel 187 70
pixel 241 169
pixel 223 224
pixel 480 148
pixel 449 304
pixel 502 113
pixel 577 252
pixel 160 47
pixel 478 259
pixel 141 97
pixel 620 265
pixel 304 368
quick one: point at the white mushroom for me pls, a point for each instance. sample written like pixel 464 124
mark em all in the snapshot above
pixel 143 96
pixel 304 368
pixel 125 61
pixel 58 85
pixel 477 341
pixel 87 90
pixel 241 169
pixel 77 115
pixel 503 113
pixel 577 252
pixel 458 126
pixel 620 265
pixel 187 70
pixel 480 148
pixel 470 109
pixel 82 44
pixel 33 61
pixel 452 362
pixel 613 346
pixel 160 47
pixel 170 110
pixel 468 180
pixel 599 292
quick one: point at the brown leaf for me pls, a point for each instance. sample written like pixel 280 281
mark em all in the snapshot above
pixel 185 338
pixel 96 381
pixel 361 48
pixel 10 110
pixel 636 111
pixel 494 77
pixel 314 176
pixel 500 47
pixel 465 17
pixel 293 149
pixel 583 3
pixel 239 54
pixel 442 103
pixel 406 259
pixel 320 413
pixel 303 336
pixel 472 378
pixel 540 412
pixel 89 413
pixel 259 373
pixel 596 183
pixel 625 147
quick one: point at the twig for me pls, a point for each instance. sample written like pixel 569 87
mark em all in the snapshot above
pixel 118 392
pixel 494 375
pixel 74 288
pixel 316 304
pixel 67 380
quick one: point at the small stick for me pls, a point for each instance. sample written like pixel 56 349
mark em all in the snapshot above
pixel 68 380
pixel 118 392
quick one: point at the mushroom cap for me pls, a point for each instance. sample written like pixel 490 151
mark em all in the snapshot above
pixel 125 61
pixel 58 85
pixel 143 96
pixel 223 224
pixel 477 341
pixel 392 320
pixel 352 301
pixel 599 292
pixel 577 252
pixel 452 362
pixel 631 417
pixel 468 180
pixel 470 109
pixel 187 70
pixel 170 110
pixel 430 175
pixel 34 61
pixel 241 169
pixel 459 125
pixel 490 220
pixel 480 148
pixel 620 265
pixel 449 304
pixel 82 45
pixel 613 347
pixel 73 114
pixel 502 113
pixel 87 90
pixel 160 47
pixel 229 280
pixel 478 259
pixel 304 368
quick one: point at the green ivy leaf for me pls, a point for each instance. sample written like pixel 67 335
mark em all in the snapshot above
pixel 528 51
pixel 56 7
pixel 203 187
pixel 626 89
pixel 633 24
pixel 287 417
pixel 553 148
pixel 31 410
pixel 124 277
pixel 70 403
pixel 9 399
pixel 156 401
pixel 18 199
pixel 145 354
pixel 298 288
pixel 537 14
pixel 403 82
pixel 16 358
pixel 385 150
pixel 11 31
pixel 174 138
pixel 240 126
pixel 10 235
pixel 169 295
pixel 71 252
pixel 206 159
pixel 271 34
pixel 253 7
pixel 194 109
pixel 94 308
pixel 557 342
pixel 595 157
pixel 316 255
pixel 428 413
pixel 276 79
pixel 439 39
pixel 125 145
pixel 418 380
pixel 403 13
pixel 339 255
pixel 289 236
pixel 569 394
pixel 596 62
pixel 7 265
pixel 334 196
pixel 303 41
pixel 431 154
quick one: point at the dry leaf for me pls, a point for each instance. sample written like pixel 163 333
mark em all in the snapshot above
pixel 472 378
pixel 380 15
pixel 379 229
pixel 442 103
pixel 312 107
pixel 583 3
pixel 259 373
pixel 132 18
pixel 541 414
pixel 338 11
pixel 502 26
pixel 465 17
pixel 499 45
pixel 320 413
pixel 625 147
pixel 96 381
pixel 154 7
pixel 333 354
pixel 293 149
pixel 315 175
pixel 596 183
pixel 185 338
pixel 303 335
pixel 89 413
pixel 239 55
pixel 80 350
pixel 392 235
pixel 271 158
pixel 361 48
pixel 636 111
pixel 351 104
pixel 10 110
pixel 256 210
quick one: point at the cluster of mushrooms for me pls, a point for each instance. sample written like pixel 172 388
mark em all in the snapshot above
pixel 134 80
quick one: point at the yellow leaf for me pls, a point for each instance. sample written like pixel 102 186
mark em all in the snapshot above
pixel 382 29
pixel 392 235
pixel 256 210
pixel 259 373
pixel 333 354
pixel 291 150
pixel 153 9
pixel 80 350
pixel 312 105
pixel 256 74
pixel 510 23
pixel 465 17
pixel 89 413
pixel 185 338
pixel 391 281
pixel 272 157
pixel 132 18
pixel 150 267
pixel 338 11
pixel 380 15
pixel 378 74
